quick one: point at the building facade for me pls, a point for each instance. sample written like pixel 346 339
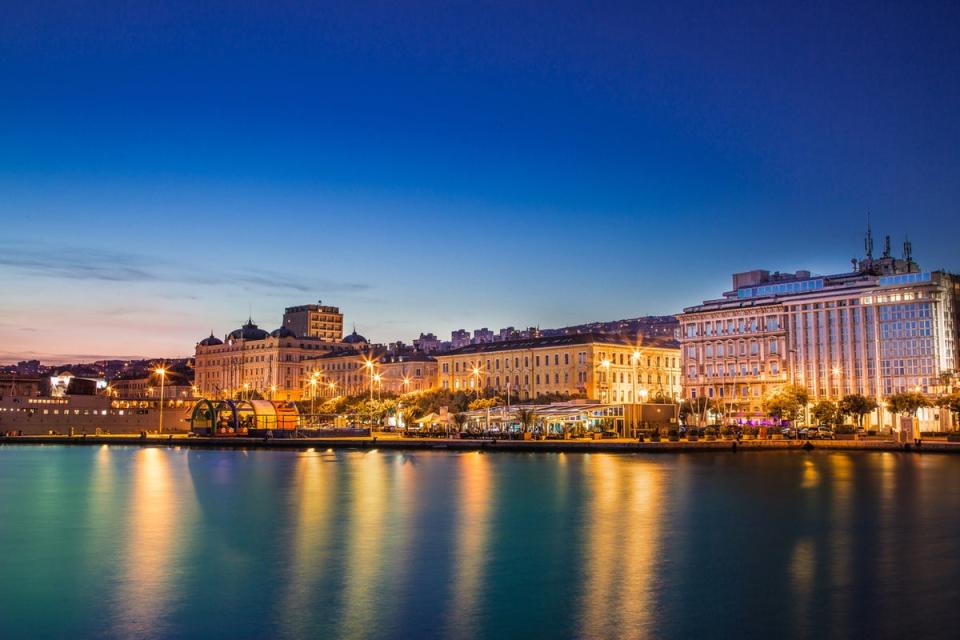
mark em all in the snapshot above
pixel 884 327
pixel 251 361
pixel 319 321
pixel 358 371
pixel 607 368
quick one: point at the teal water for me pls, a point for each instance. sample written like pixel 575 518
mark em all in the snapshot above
pixel 120 542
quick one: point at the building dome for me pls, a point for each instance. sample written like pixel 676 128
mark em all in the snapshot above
pixel 355 338
pixel 248 331
pixel 211 341
pixel 282 332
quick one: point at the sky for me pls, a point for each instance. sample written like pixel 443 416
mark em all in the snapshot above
pixel 168 169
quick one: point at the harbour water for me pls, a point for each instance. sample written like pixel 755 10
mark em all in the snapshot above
pixel 160 542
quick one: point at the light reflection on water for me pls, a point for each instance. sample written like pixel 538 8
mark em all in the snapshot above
pixel 153 542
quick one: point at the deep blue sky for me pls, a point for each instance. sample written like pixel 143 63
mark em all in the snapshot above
pixel 167 166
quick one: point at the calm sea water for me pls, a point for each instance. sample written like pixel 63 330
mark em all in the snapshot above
pixel 162 543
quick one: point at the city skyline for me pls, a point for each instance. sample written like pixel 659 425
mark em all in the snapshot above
pixel 454 171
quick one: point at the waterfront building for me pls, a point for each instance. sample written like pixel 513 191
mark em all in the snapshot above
pixel 885 326
pixel 314 321
pixel 251 361
pixel 357 371
pixel 607 368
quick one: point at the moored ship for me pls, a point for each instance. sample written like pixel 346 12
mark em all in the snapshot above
pixel 93 414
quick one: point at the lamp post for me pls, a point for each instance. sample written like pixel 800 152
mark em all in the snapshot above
pixel 162 372
pixel 313 397
pixel 476 381
pixel 369 365
pixel 377 378
pixel 605 364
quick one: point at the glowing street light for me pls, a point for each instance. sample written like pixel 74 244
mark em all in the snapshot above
pixel 162 372
pixel 476 380
pixel 368 363
pixel 313 396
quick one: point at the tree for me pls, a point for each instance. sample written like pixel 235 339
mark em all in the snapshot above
pixel 952 404
pixel 698 408
pixel 483 403
pixel 827 412
pixel 787 402
pixel 460 419
pixel 907 402
pixel 857 406
pixel 526 417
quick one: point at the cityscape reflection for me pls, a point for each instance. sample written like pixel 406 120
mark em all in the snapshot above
pixel 360 544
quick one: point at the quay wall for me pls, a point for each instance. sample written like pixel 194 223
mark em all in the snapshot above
pixel 432 444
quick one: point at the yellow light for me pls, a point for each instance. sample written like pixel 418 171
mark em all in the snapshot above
pixel 160 371
pixel 636 355
pixel 333 386
pixel 836 371
pixel 605 363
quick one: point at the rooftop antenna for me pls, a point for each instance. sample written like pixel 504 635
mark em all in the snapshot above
pixel 868 241
pixel 907 249
pixel 886 246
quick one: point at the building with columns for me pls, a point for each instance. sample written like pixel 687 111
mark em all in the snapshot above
pixel 885 326
pixel 250 360
pixel 603 367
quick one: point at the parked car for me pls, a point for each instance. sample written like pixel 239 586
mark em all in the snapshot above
pixel 790 432
pixel 824 433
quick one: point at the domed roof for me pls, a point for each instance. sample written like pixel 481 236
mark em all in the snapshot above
pixel 248 331
pixel 211 341
pixel 355 338
pixel 283 332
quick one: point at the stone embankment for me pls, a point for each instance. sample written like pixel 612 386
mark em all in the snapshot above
pixel 464 444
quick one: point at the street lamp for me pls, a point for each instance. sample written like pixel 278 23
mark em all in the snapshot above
pixel 246 391
pixel 313 397
pixel 377 379
pixel 369 365
pixel 476 380
pixel 162 372
pixel 605 363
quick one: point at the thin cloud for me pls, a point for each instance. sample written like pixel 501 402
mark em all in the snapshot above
pixel 76 263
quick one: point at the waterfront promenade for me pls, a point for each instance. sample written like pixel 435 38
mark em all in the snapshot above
pixel 392 441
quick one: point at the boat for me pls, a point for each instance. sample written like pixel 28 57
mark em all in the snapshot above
pixel 91 414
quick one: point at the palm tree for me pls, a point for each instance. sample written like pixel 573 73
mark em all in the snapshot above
pixel 460 419
pixel 527 418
